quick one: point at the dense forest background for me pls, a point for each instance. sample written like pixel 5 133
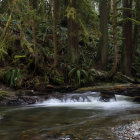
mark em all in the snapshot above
pixel 69 42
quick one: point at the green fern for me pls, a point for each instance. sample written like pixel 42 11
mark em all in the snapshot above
pixel 78 75
pixel 12 77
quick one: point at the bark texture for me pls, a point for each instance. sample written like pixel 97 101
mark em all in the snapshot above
pixel 114 69
pixel 73 40
pixel 103 46
pixel 136 33
pixel 127 35
pixel 54 34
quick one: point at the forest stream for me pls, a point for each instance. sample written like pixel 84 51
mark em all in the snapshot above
pixel 73 117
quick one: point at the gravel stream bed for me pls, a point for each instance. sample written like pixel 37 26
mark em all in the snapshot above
pixel 127 132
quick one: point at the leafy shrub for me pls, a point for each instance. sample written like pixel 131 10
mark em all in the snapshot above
pixel 56 77
pixel 12 77
pixel 78 75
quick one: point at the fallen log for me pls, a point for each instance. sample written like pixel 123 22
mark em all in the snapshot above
pixel 120 89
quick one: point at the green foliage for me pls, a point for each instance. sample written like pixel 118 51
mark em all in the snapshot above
pixel 71 12
pixel 78 75
pixel 2 74
pixel 47 80
pixel 35 60
pixel 12 77
pixel 3 53
pixel 3 93
pixel 19 56
pixel 55 77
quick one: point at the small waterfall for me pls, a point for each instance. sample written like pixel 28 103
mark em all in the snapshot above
pixel 88 100
pixel 85 97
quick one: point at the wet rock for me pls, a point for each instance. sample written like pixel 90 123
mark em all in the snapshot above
pixel 137 99
pixel 25 93
pixel 104 97
pixel 97 138
pixel 30 100
pixel 16 102
pixel 23 100
pixel 22 97
pixel 4 99
pixel 128 132
pixel 84 97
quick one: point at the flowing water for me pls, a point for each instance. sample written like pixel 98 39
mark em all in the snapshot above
pixel 71 117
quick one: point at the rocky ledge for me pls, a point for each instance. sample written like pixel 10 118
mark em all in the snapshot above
pixel 25 97
pixel 11 98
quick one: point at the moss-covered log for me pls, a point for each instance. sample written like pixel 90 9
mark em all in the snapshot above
pixel 122 89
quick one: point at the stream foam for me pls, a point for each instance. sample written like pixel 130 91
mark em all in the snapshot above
pixel 89 102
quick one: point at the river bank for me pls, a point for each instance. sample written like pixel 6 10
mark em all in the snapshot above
pixel 9 96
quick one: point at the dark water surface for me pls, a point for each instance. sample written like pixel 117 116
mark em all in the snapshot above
pixel 69 120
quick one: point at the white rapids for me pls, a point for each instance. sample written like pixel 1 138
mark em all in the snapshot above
pixel 89 101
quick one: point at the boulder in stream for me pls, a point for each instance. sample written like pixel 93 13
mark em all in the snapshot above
pixel 105 97
pixel 137 99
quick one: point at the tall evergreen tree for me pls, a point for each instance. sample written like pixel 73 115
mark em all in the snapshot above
pixel 54 34
pixel 103 48
pixel 73 30
pixel 127 35
pixel 114 69
pixel 136 33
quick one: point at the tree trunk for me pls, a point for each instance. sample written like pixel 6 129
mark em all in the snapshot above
pixel 127 42
pixel 114 69
pixel 33 4
pixel 73 40
pixel 54 34
pixel 103 46
pixel 136 33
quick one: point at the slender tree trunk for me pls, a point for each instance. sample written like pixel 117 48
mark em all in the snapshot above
pixel 33 4
pixel 73 40
pixel 136 32
pixel 103 46
pixel 127 42
pixel 114 69
pixel 54 34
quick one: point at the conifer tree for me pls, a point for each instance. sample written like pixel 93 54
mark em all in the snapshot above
pixel 127 35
